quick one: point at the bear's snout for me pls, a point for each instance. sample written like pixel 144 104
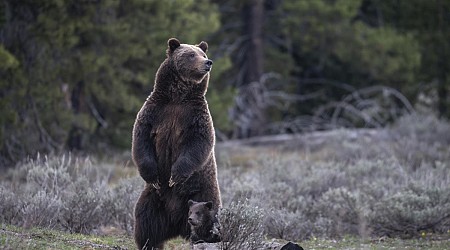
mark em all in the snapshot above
pixel 192 221
pixel 208 64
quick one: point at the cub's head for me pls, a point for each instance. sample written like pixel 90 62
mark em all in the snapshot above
pixel 200 213
pixel 190 61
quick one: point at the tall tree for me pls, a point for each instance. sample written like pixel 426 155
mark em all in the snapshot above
pixel 252 49
pixel 249 110
pixel 78 71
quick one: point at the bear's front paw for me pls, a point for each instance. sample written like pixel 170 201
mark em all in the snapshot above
pixel 177 179
pixel 149 175
pixel 171 181
pixel 156 185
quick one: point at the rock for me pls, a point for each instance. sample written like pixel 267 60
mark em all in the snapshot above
pixel 291 246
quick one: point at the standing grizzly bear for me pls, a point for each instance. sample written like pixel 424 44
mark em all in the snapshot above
pixel 173 147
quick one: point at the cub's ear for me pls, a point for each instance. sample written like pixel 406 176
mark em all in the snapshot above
pixel 190 203
pixel 209 205
pixel 203 45
pixel 173 43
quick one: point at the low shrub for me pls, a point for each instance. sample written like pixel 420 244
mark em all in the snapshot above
pixel 411 211
pixel 68 193
pixel 10 206
pixel 119 201
pixel 396 185
pixel 241 227
pixel 401 190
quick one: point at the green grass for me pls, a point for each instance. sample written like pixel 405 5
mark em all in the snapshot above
pixel 20 238
pixel 440 242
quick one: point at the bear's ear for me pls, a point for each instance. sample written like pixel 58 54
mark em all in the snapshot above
pixel 173 43
pixel 190 203
pixel 203 45
pixel 209 205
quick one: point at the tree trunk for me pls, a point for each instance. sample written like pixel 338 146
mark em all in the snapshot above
pixel 443 66
pixel 75 140
pixel 253 13
pixel 248 113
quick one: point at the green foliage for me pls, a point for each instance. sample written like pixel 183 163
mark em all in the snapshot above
pixel 220 102
pixel 346 50
pixel 77 72
pixel 427 21
pixel 383 55
pixel 73 74
pixel 7 61
pixel 320 51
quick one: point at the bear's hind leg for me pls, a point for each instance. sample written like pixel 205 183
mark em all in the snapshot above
pixel 150 229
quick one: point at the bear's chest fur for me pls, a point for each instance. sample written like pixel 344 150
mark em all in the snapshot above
pixel 171 124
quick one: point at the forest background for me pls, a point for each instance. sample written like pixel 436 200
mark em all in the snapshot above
pixel 73 74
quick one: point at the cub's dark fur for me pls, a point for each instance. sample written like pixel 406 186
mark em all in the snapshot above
pixel 205 226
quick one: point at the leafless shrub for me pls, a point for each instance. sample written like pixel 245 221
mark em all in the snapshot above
pixel 371 107
pixel 41 210
pixel 423 127
pixel 241 227
pixel 10 206
pixel 411 211
pixel 81 209
pixel 65 192
pixel 289 225
pixel 392 183
pixel 119 201
pixel 250 111
pixel 344 209
pixel 421 140
pixel 359 193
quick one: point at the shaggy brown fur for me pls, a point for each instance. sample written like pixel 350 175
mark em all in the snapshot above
pixel 173 146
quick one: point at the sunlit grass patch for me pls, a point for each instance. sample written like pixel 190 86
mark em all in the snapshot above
pixel 37 238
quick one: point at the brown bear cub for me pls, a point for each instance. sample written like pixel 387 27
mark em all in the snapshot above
pixel 173 147
pixel 205 226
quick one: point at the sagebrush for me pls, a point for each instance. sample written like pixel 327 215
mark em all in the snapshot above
pixel 390 182
pixel 69 193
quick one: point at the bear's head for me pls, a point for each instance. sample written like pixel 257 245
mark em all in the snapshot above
pixel 200 213
pixel 205 226
pixel 190 61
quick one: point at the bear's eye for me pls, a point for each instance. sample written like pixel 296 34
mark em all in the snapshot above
pixel 192 55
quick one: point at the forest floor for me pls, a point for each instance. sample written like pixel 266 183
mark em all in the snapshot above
pixel 20 238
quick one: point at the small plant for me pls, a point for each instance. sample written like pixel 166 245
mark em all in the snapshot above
pixel 242 227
